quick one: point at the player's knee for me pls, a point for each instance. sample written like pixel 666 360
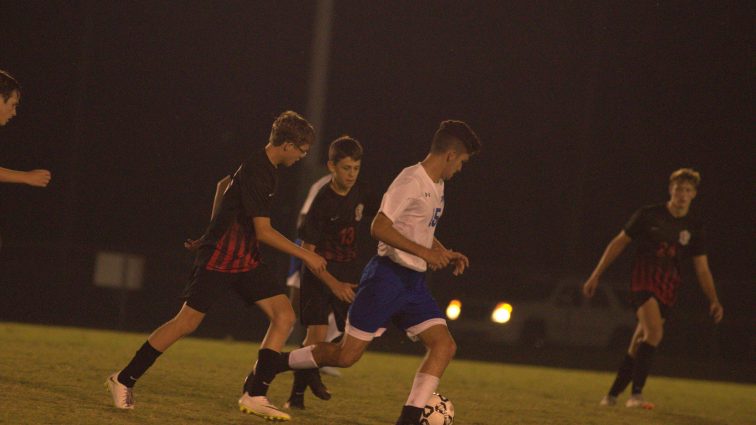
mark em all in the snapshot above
pixel 347 359
pixel 284 318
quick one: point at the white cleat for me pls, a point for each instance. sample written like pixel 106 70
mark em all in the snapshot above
pixel 123 396
pixel 608 400
pixel 636 400
pixel 261 406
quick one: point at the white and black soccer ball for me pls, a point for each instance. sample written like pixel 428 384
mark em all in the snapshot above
pixel 438 411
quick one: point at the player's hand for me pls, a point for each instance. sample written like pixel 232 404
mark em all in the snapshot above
pixel 192 244
pixel 589 287
pixel 38 178
pixel 716 311
pixel 315 262
pixel 344 291
pixel 460 262
pixel 437 258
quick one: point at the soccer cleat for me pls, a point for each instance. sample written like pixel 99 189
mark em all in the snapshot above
pixel 261 406
pixel 608 400
pixel 123 396
pixel 296 401
pixel 317 386
pixel 636 400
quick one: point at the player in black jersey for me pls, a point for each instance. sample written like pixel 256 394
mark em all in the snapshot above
pixel 330 229
pixel 665 234
pixel 228 257
pixel 10 96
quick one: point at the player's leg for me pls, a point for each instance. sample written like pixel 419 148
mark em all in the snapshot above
pixel 625 370
pixel 440 349
pixel 652 323
pixel 305 377
pixel 314 309
pixel 201 293
pixel 259 287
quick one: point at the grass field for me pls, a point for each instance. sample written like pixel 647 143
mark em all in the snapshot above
pixel 52 375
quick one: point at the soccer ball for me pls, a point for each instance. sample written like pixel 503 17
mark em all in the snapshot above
pixel 438 411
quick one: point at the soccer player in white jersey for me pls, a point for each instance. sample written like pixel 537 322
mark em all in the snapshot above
pixel 393 287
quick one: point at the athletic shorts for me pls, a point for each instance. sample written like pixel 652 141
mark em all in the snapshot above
pixel 207 286
pixel 640 297
pixel 390 293
pixel 316 301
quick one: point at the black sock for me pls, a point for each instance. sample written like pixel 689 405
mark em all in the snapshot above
pixel 268 365
pixel 643 361
pixel 300 382
pixel 410 415
pixel 142 360
pixel 624 376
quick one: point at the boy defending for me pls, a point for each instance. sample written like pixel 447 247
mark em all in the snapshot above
pixel 228 257
pixel 666 233
pixel 330 229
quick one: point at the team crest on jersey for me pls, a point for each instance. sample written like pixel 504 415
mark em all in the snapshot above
pixel 684 237
pixel 358 212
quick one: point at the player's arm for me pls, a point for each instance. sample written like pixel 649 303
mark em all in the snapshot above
pixel 343 290
pixel 220 189
pixel 269 236
pixel 706 281
pixel 382 229
pixel 612 251
pixel 36 178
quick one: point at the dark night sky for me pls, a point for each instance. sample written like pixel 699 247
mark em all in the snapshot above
pixel 583 108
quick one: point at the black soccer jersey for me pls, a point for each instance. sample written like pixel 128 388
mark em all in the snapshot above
pixel 663 240
pixel 332 221
pixel 229 244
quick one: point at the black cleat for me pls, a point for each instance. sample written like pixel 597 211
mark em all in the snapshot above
pixel 296 401
pixel 317 386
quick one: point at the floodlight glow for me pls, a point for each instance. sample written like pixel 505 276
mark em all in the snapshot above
pixel 454 309
pixel 502 313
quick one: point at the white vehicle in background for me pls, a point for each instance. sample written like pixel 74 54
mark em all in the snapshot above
pixel 564 317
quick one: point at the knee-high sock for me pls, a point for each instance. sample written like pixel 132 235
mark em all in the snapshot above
pixel 142 360
pixel 302 358
pixel 624 376
pixel 422 388
pixel 643 361
pixel 267 367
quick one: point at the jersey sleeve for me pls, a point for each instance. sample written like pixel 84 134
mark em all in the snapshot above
pixel 398 197
pixel 312 227
pixel 256 190
pixel 698 242
pixel 634 227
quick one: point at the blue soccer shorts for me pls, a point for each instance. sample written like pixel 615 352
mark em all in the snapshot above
pixel 390 293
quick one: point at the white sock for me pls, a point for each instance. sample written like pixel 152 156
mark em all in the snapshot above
pixel 302 358
pixel 333 330
pixel 422 388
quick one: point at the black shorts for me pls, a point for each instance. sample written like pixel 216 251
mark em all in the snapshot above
pixel 206 286
pixel 316 301
pixel 640 297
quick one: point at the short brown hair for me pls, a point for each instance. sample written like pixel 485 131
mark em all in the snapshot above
pixel 344 147
pixel 291 127
pixel 685 175
pixel 8 85
pixel 452 134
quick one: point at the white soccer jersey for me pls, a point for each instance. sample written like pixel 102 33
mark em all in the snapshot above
pixel 414 203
